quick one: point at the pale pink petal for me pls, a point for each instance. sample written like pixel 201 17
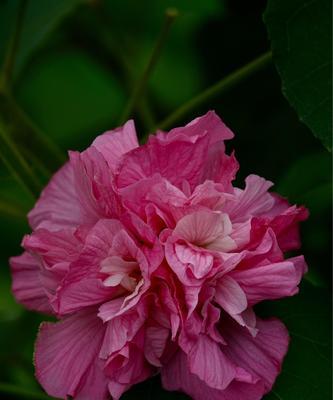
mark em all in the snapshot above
pixel 26 284
pixel 230 296
pixel 252 201
pixel 196 261
pixel 113 144
pixel 206 229
pixel 66 357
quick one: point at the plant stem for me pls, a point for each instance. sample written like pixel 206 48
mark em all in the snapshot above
pixel 9 389
pixel 170 15
pixel 9 62
pixel 9 209
pixel 18 166
pixel 218 88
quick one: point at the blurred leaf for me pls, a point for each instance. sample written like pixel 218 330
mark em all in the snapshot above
pixel 178 75
pixel 71 97
pixel 309 181
pixel 300 33
pixel 306 175
pixel 306 371
pixel 41 17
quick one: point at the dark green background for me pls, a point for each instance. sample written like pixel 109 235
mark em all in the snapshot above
pixel 74 72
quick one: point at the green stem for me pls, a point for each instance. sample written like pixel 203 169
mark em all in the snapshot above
pixel 13 46
pixel 170 15
pixel 9 389
pixel 18 166
pixel 11 210
pixel 218 88
pixel 26 135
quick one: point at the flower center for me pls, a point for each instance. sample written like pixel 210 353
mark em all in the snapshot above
pixel 120 272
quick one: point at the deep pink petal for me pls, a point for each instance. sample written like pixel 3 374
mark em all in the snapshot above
pixel 261 355
pixel 66 357
pixel 208 362
pixel 114 144
pixel 271 281
pixel 177 376
pixel 58 206
pixel 94 186
pixel 26 284
pixel 209 124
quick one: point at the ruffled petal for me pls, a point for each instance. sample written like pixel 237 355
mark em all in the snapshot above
pixel 58 206
pixel 66 357
pixel 272 281
pixel 26 284
pixel 261 355
pixel 177 376
pixel 230 296
pixel 114 144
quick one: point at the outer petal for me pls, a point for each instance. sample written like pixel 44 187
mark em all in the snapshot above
pixel 177 161
pixel 208 362
pixel 26 284
pixel 272 281
pixel 261 355
pixel 177 376
pixel 58 206
pixel 252 201
pixel 66 357
pixel 114 144
pixel 285 225
pixel 209 124
pixel 94 186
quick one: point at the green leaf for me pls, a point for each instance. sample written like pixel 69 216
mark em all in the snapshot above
pixel 306 371
pixel 300 34
pixel 306 175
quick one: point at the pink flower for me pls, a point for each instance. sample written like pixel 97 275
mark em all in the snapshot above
pixel 152 261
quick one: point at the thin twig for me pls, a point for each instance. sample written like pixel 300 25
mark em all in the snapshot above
pixel 13 45
pixel 218 88
pixel 170 15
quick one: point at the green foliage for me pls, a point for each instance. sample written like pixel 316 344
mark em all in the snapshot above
pixel 75 68
pixel 300 33
pixel 41 18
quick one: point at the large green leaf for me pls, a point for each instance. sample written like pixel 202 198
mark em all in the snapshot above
pixel 306 371
pixel 300 33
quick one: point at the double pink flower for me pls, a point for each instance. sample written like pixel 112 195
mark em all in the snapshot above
pixel 152 261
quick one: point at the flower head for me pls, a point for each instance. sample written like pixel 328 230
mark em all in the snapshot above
pixel 152 261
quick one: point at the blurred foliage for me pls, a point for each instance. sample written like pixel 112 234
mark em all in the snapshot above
pixel 76 66
pixel 301 39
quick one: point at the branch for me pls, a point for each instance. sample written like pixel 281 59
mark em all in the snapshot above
pixel 218 88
